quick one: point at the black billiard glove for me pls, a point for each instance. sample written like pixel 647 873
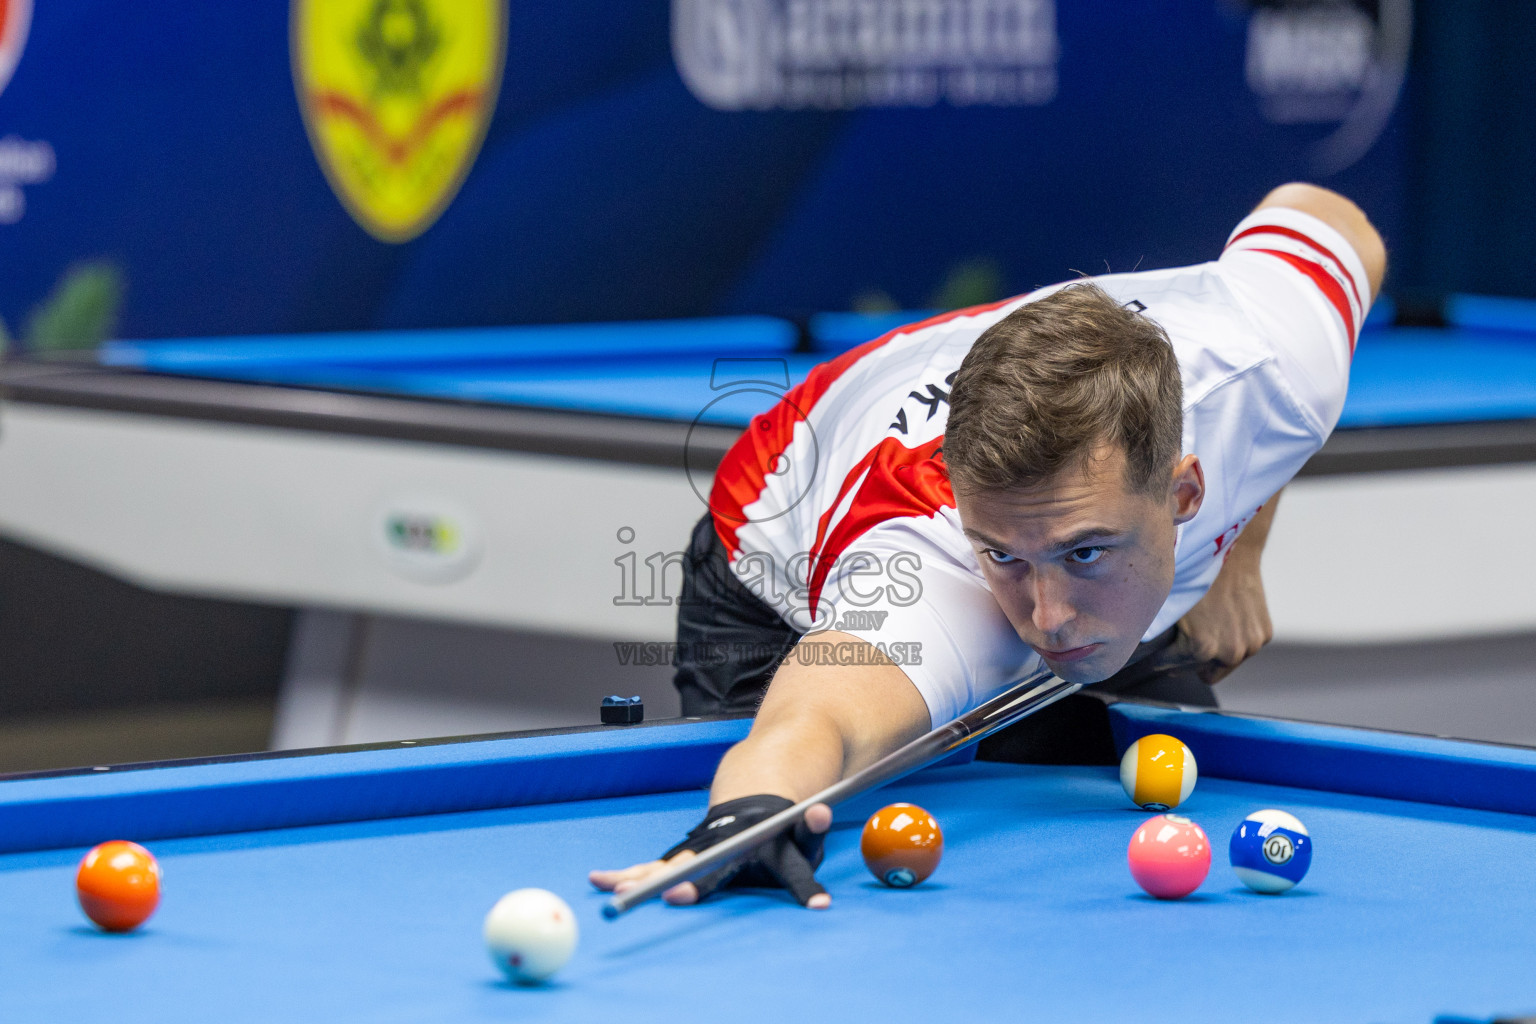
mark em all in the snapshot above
pixel 788 860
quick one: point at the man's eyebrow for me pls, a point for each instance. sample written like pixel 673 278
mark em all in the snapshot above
pixel 977 535
pixel 1083 538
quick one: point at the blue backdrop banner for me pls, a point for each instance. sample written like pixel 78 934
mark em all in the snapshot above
pixel 430 163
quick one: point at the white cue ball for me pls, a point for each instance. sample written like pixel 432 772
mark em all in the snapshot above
pixel 530 934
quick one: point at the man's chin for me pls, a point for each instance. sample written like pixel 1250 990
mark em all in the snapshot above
pixel 1095 668
pixel 1079 672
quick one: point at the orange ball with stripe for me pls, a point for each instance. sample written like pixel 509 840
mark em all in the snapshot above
pixel 1158 772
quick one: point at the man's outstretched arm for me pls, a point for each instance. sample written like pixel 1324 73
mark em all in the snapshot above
pixel 1231 622
pixel 818 723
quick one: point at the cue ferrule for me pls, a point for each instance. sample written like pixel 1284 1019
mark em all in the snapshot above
pixel 1018 701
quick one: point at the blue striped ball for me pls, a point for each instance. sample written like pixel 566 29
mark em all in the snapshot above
pixel 1270 851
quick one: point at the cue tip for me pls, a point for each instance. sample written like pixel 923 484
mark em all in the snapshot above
pixel 611 911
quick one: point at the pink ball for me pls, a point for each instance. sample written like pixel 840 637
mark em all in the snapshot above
pixel 1170 856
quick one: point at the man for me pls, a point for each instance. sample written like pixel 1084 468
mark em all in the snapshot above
pixel 1082 476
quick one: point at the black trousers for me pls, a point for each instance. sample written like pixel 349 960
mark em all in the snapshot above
pixel 729 643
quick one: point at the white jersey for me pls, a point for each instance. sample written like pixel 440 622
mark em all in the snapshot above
pixel 836 508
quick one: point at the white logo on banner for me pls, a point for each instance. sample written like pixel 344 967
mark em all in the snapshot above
pixel 1331 61
pixel 22 162
pixel 842 54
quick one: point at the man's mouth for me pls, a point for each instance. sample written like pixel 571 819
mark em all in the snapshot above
pixel 1070 654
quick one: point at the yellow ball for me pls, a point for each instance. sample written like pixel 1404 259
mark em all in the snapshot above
pixel 1158 772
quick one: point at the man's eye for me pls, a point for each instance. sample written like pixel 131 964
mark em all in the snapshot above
pixel 1087 556
pixel 1000 557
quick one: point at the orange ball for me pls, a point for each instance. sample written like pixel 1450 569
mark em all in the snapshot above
pixel 119 885
pixel 902 845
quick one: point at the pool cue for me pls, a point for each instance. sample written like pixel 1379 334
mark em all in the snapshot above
pixel 1020 700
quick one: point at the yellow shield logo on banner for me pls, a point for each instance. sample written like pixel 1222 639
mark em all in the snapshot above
pixel 396 96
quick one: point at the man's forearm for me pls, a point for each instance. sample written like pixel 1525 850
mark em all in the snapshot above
pixel 791 756
pixel 1249 545
pixel 820 722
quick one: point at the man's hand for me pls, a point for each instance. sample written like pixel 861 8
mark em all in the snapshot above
pixel 820 722
pixel 783 861
pixel 1230 624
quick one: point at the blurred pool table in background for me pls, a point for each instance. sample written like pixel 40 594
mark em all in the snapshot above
pixel 305 471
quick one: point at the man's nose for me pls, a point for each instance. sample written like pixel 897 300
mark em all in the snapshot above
pixel 1053 606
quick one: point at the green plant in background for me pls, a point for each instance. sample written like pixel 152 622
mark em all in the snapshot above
pixel 970 283
pixel 80 313
pixel 872 301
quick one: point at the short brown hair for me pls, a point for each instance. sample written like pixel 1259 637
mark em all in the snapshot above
pixel 1055 379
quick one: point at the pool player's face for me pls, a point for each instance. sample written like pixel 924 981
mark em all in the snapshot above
pixel 1081 563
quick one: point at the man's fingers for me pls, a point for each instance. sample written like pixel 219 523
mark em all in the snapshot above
pixel 1227 658
pixel 1234 652
pixel 606 880
pixel 795 874
pixel 618 880
pixel 1251 645
pixel 1203 648
pixel 705 887
pixel 818 818
pixel 682 894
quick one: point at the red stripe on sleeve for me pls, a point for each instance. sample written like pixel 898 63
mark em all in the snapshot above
pixel 743 473
pixel 1326 283
pixel 1275 229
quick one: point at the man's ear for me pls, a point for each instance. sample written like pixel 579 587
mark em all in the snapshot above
pixel 1188 490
